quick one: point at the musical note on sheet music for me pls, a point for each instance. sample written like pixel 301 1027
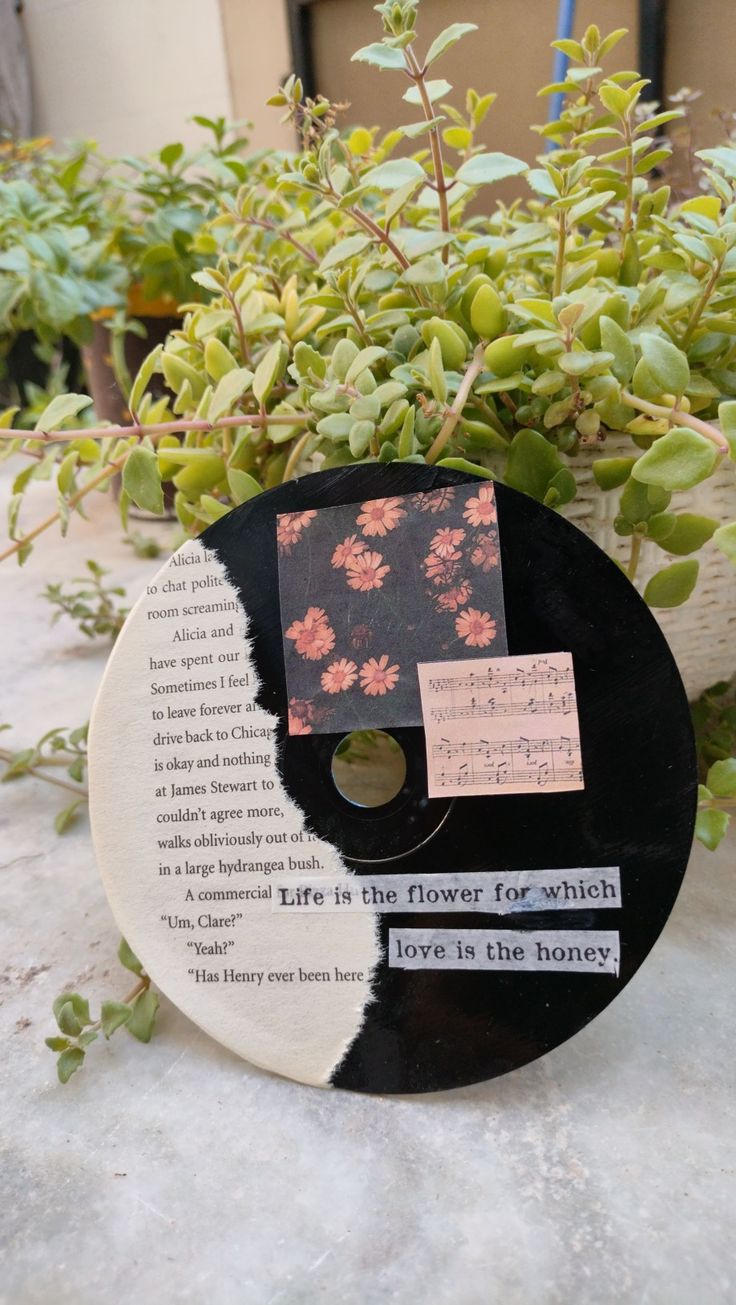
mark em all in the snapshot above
pixel 501 725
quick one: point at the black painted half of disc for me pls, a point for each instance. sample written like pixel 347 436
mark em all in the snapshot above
pixel 428 1030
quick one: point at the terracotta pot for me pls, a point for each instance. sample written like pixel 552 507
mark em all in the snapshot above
pixel 165 306
pixel 109 403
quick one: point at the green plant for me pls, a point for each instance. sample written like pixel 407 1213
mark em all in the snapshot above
pixel 160 228
pixel 143 545
pixel 359 309
pixel 714 720
pixel 82 236
pixel 58 748
pixel 38 397
pixel 77 1030
pixel 92 604
pixel 56 264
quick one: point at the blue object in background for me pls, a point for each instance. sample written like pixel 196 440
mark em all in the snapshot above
pixel 565 23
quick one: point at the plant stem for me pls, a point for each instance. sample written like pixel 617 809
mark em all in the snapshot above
pixel 295 454
pixel 355 314
pixel 701 304
pixel 492 417
pixel 453 416
pixel 418 76
pixel 560 255
pixel 120 367
pixel 634 556
pixel 158 428
pixel 309 254
pixel 78 789
pixel 380 233
pixel 143 983
pixel 106 473
pixel 629 182
pixel 383 237
pixel 242 341
pixel 162 428
pixel 676 417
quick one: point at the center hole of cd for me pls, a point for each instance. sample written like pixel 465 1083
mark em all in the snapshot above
pixel 368 768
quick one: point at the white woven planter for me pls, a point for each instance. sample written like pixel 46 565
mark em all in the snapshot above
pixel 701 633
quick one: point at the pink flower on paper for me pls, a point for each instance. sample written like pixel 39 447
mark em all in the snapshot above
pixel 380 515
pixel 297 726
pixel 476 628
pixel 445 541
pixel 289 527
pixel 442 570
pixel 315 616
pixel 300 714
pixel 340 675
pixel 485 553
pixel 481 509
pixel 437 500
pixel 377 677
pixel 366 572
pixel 313 637
pixel 455 597
pixel 287 534
pixel 347 550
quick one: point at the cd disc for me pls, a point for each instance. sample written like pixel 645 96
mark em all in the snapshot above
pixel 233 855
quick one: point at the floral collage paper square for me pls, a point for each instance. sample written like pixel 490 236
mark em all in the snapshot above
pixel 370 589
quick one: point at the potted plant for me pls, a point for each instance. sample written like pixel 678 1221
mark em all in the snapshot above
pixel 56 269
pixel 577 344
pixel 157 224
pixel 100 251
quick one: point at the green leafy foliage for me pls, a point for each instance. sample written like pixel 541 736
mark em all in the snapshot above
pixel 128 958
pixel 711 825
pixel 679 460
pixel 66 817
pixel 136 1012
pixel 142 480
pixel 725 538
pixel 484 169
pixel 534 466
pixel 666 364
pixel 348 288
pixel 142 1016
pixel 611 472
pixel 55 264
pixel 143 545
pixel 721 779
pixel 60 409
pixel 113 1015
pixel 685 532
pixel 90 602
pixel 81 235
pixel 672 585
pixel 59 759
pixel 714 721
pixel 344 303
pixel 446 39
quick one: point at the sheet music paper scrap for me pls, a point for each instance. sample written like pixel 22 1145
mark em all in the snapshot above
pixel 501 724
